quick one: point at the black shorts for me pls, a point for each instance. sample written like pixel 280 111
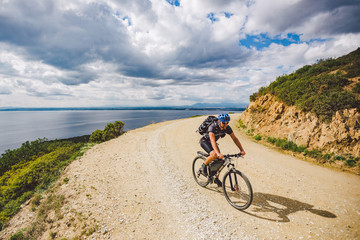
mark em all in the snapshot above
pixel 206 145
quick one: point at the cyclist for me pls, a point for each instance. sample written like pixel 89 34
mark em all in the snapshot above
pixel 208 142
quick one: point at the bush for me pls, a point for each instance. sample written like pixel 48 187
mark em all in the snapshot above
pixel 356 89
pixel 303 70
pixel 257 137
pixel 96 136
pixel 313 153
pixel 250 132
pixel 17 236
pixel 339 158
pixel 25 153
pixel 352 161
pixel 241 124
pixel 32 150
pixel 327 156
pixel 317 69
pixel 271 140
pixel 112 130
pixel 18 185
pixel 353 70
pixel 286 144
pixel 119 127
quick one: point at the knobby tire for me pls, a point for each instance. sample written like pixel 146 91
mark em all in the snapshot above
pixel 199 178
pixel 237 189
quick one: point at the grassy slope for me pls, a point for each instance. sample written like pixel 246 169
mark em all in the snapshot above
pixel 322 88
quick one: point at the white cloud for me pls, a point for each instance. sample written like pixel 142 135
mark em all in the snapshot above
pixel 148 52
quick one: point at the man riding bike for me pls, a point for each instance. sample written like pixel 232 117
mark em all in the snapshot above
pixel 208 142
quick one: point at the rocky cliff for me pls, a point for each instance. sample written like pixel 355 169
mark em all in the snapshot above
pixel 272 118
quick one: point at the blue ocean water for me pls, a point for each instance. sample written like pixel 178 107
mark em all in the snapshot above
pixel 17 127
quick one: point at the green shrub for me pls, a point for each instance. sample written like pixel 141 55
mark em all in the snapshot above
pixel 250 132
pixel 109 132
pixel 327 156
pixel 317 69
pixel 32 150
pixel 286 144
pixel 356 89
pixel 352 161
pixel 353 70
pixel 317 154
pixel 119 127
pixel 112 130
pixel 271 140
pixel 303 70
pixel 35 202
pixel 17 236
pixel 254 96
pixel 257 137
pixel 241 124
pixel 96 136
pixel 339 158
pixel 18 185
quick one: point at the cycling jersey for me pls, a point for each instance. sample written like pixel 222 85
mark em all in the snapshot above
pixel 215 128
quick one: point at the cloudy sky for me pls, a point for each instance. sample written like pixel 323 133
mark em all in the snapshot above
pixel 83 53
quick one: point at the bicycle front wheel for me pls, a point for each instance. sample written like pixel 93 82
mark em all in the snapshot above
pixel 237 189
pixel 199 177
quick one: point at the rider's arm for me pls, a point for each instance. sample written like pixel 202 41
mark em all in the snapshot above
pixel 238 144
pixel 214 145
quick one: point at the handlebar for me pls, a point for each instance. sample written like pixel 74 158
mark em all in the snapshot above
pixel 232 155
pixel 225 156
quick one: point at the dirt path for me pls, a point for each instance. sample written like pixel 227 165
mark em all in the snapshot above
pixel 140 186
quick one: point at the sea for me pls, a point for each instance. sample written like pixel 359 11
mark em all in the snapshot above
pixel 17 127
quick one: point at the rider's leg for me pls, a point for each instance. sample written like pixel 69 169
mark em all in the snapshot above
pixel 206 145
pixel 212 156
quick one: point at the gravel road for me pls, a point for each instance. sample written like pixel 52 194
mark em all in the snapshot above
pixel 140 186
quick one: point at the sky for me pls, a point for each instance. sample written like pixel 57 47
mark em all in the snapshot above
pixel 90 53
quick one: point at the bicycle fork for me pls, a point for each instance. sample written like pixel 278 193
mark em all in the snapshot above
pixel 236 187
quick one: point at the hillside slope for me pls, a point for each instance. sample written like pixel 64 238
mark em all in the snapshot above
pixel 317 106
pixel 273 118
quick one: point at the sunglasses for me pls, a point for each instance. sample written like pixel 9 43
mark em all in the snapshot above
pixel 225 123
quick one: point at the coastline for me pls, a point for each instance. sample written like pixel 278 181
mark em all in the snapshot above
pixel 21 126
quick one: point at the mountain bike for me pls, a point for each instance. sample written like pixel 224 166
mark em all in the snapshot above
pixel 236 185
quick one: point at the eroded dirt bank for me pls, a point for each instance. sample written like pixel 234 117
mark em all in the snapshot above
pixel 140 186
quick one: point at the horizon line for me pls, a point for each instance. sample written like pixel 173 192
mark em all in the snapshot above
pixel 118 108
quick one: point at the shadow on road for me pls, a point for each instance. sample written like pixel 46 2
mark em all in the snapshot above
pixel 277 208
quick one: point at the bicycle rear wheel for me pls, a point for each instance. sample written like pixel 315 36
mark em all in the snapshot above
pixel 237 189
pixel 199 178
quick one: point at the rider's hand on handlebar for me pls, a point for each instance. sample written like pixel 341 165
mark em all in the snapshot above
pixel 242 153
pixel 220 156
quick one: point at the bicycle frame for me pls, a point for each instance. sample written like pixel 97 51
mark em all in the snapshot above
pixel 227 162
